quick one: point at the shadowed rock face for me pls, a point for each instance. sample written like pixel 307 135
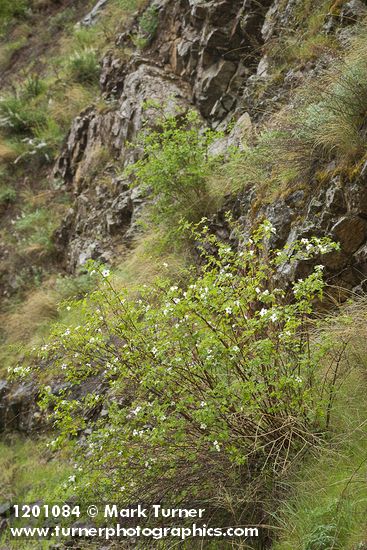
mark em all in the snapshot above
pixel 202 54
pixel 213 45
pixel 205 55
pixel 18 409
pixel 104 214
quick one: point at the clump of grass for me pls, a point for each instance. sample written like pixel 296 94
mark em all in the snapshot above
pixel 35 229
pixel 38 309
pixel 328 506
pixel 28 474
pixel 19 117
pixel 337 123
pixel 7 195
pixel 7 151
pixel 327 121
pixel 9 48
pixel 62 19
pixel 10 9
pixel 34 119
pixel 148 24
pixel 328 503
pixel 73 287
pixel 303 39
pixel 28 128
pixel 83 66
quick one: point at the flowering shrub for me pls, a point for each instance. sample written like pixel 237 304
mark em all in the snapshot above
pixel 201 387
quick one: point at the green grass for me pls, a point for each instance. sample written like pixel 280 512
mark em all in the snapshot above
pixel 83 66
pixel 327 122
pixel 30 473
pixel 10 9
pixel 36 228
pixel 7 195
pixel 328 506
pixel 303 39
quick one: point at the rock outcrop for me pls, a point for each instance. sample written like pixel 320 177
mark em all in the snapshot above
pixel 202 55
pixel 209 56
pixel 18 408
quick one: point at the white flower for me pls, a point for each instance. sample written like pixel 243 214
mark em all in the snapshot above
pixel 106 273
pixel 71 479
pixel 176 300
pixel 269 227
pixel 263 312
pixel 154 351
pixel 173 288
pixel 228 310
pixel 165 264
pixel 266 293
pixel 216 445
pixel 274 317
pixel 202 404
pixel 68 308
pixel 203 426
pixel 257 290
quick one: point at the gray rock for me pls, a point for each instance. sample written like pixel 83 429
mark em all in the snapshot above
pixel 335 200
pixel 200 57
pixel 91 17
pixel 352 11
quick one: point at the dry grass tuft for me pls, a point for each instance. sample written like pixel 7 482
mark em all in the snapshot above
pixel 7 153
pixel 39 307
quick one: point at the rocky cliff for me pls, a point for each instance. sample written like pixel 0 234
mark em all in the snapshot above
pixel 215 57
pixel 212 56
pixel 282 85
